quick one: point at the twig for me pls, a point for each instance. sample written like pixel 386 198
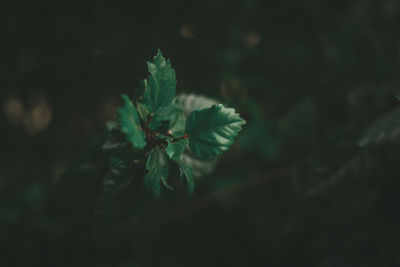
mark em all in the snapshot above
pixel 180 138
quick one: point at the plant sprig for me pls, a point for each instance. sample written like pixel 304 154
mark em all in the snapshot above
pixel 156 123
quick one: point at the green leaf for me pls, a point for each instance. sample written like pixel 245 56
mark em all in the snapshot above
pixel 160 87
pixel 186 172
pixel 385 130
pixel 130 124
pixel 212 130
pixel 189 103
pixel 157 166
pixel 165 114
pixel 175 149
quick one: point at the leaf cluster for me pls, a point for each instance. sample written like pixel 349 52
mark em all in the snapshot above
pixel 155 127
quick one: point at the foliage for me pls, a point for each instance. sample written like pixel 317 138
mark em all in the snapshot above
pixel 208 132
pixel 312 179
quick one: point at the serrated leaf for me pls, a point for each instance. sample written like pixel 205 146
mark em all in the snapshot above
pixel 189 103
pixel 160 87
pixel 212 130
pixel 157 166
pixel 165 114
pixel 130 124
pixel 175 149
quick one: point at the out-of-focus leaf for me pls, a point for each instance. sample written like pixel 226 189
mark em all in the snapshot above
pixel 191 102
pixel 118 146
pixel 118 177
pixel 130 124
pixel 386 129
pixel 258 134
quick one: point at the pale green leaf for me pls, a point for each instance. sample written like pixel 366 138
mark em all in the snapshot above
pixel 191 102
pixel 177 125
pixel 130 124
pixel 212 130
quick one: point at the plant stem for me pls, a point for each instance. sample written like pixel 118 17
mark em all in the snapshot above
pixel 180 138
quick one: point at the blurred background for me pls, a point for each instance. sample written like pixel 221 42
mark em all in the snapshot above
pixel 311 181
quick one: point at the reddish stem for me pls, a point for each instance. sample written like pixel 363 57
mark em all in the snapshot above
pixel 185 136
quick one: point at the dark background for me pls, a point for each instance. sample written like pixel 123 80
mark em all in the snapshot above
pixel 310 77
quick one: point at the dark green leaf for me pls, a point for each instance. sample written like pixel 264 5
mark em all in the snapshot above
pixel 189 103
pixel 130 124
pixel 157 166
pixel 212 130
pixel 118 177
pixel 160 87
pixel 175 149
pixel 186 172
